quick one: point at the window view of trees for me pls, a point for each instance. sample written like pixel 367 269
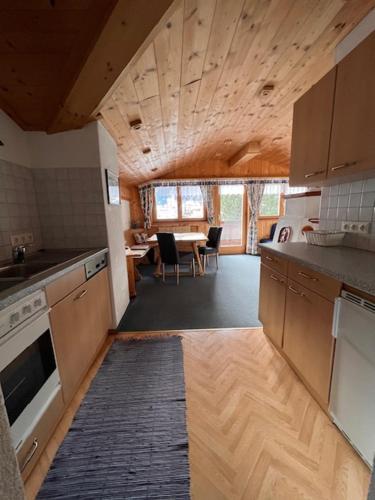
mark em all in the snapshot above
pixel 270 205
pixel 174 203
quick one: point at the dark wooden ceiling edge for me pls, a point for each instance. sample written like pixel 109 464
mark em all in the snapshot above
pixel 76 70
pixel 75 111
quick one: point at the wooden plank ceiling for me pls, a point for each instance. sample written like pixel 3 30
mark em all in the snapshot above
pixel 197 86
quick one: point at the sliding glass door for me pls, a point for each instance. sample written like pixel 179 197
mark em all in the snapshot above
pixel 232 215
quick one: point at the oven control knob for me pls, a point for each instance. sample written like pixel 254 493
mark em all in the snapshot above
pixel 26 310
pixel 37 302
pixel 14 317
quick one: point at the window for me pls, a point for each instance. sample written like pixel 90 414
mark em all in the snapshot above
pixel 166 203
pixel 270 204
pixel 179 203
pixel 191 202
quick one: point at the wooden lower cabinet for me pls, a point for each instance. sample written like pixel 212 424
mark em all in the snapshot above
pixel 272 303
pixel 308 341
pixel 80 324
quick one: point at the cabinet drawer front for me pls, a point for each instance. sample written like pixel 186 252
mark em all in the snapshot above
pixel 320 283
pixel 63 286
pixel 275 262
pixel 32 448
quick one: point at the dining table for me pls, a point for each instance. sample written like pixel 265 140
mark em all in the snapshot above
pixel 193 239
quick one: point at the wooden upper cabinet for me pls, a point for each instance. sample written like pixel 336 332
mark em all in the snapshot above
pixel 312 120
pixel 352 148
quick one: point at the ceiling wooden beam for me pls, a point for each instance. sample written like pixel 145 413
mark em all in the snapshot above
pixel 249 151
pixel 128 28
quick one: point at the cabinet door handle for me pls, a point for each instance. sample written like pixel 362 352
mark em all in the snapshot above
pixel 30 455
pixel 307 276
pixel 343 165
pixel 275 278
pixel 269 258
pixel 80 295
pixel 296 292
pixel 312 174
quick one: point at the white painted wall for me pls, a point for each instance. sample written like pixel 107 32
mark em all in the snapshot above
pixel 125 214
pixel 114 220
pixel 16 147
pixel 71 149
pixel 356 36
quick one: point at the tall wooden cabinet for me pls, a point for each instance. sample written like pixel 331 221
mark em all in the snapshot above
pixel 312 120
pixel 334 123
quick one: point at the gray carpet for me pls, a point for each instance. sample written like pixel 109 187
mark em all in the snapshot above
pixel 227 298
pixel 128 439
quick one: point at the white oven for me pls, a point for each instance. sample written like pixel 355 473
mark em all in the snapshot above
pixel 29 377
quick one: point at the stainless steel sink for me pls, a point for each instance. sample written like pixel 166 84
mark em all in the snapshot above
pixel 19 272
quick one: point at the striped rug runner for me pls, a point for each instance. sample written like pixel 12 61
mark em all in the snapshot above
pixel 128 439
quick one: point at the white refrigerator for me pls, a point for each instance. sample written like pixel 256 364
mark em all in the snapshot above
pixel 352 403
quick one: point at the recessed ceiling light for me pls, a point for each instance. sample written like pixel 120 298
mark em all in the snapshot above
pixel 228 141
pixel 267 89
pixel 146 151
pixel 136 124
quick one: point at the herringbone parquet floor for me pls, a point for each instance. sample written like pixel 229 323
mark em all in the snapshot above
pixel 255 433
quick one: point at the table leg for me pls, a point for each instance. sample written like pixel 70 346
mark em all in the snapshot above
pixel 196 253
pixel 158 263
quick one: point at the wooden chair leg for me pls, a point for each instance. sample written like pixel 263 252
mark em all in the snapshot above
pixel 178 273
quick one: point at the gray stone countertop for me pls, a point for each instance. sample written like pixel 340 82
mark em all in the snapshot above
pixel 349 265
pixel 67 261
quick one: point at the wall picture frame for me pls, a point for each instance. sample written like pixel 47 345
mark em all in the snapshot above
pixel 113 188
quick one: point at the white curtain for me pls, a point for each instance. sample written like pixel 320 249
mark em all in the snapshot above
pixel 254 194
pixel 208 199
pixel 146 195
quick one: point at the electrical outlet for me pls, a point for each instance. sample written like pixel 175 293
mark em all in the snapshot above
pixel 355 227
pixel 21 239
pixel 29 237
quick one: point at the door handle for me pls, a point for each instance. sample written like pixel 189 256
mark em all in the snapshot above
pixel 296 292
pixel 343 165
pixel 269 258
pixel 80 295
pixel 308 277
pixel 275 278
pixel 30 455
pixel 312 174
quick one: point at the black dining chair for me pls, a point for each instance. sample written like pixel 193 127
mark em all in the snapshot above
pixel 212 246
pixel 169 255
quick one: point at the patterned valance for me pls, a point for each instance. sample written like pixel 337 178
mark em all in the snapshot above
pixel 213 182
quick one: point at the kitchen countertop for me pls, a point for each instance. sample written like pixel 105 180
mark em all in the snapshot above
pixel 66 264
pixel 351 266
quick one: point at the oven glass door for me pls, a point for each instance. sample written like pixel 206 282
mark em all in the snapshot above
pixel 22 379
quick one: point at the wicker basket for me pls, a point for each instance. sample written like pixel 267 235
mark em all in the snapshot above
pixel 325 238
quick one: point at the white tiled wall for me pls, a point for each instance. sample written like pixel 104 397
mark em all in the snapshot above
pixel 71 207
pixel 18 206
pixel 353 201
